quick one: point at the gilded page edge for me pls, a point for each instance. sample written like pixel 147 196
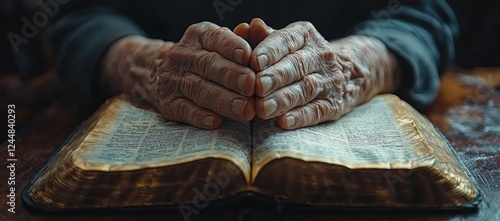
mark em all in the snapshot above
pixel 445 162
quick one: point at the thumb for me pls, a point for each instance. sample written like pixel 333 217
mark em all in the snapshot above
pixel 258 31
pixel 243 30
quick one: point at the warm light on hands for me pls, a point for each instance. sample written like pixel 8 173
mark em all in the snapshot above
pixel 204 77
pixel 303 80
pixel 292 74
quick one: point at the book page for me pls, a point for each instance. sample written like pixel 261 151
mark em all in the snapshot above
pixel 371 136
pixel 129 138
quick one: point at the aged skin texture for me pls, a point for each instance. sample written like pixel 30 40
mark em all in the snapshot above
pixel 294 74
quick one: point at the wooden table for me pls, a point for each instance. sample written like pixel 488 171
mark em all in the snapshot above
pixel 467 111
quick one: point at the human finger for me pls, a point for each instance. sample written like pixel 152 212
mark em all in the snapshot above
pixel 279 44
pixel 324 108
pixel 242 30
pixel 291 68
pixel 312 113
pixel 216 68
pixel 214 97
pixel 258 31
pixel 221 40
pixel 289 97
pixel 186 111
pixel 253 33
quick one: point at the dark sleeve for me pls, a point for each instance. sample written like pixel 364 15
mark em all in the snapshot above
pixel 422 35
pixel 80 40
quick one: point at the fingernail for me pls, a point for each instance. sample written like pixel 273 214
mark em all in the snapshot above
pixel 262 59
pixel 266 83
pixel 238 55
pixel 270 106
pixel 238 106
pixel 264 23
pixel 242 82
pixel 290 121
pixel 208 121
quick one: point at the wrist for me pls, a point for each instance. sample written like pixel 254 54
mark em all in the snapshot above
pixel 372 61
pixel 130 66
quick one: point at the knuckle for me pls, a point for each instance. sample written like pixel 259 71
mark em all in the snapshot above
pixel 333 109
pixel 206 62
pixel 305 28
pixel 277 42
pixel 310 87
pixel 293 40
pixel 296 59
pixel 172 107
pixel 180 54
pixel 317 113
pixel 219 99
pixel 203 26
pixel 305 24
pixel 220 104
pixel 326 108
pixel 177 50
pixel 202 30
pixel 279 74
pixel 204 23
pixel 193 116
pixel 309 115
pixel 195 29
pixel 300 65
pixel 191 87
pixel 225 76
pixel 224 29
pixel 288 99
pixel 211 36
pixel 185 111
pixel 208 39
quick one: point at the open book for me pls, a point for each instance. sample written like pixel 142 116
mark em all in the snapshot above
pixel 382 154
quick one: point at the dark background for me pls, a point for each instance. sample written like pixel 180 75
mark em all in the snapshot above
pixel 477 45
pixel 479 42
pixel 28 80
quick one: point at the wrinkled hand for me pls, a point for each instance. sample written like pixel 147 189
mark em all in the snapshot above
pixel 303 80
pixel 198 80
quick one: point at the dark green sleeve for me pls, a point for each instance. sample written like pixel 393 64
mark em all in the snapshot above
pixel 422 34
pixel 80 40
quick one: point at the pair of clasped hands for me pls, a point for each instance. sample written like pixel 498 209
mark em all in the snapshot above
pixel 292 74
